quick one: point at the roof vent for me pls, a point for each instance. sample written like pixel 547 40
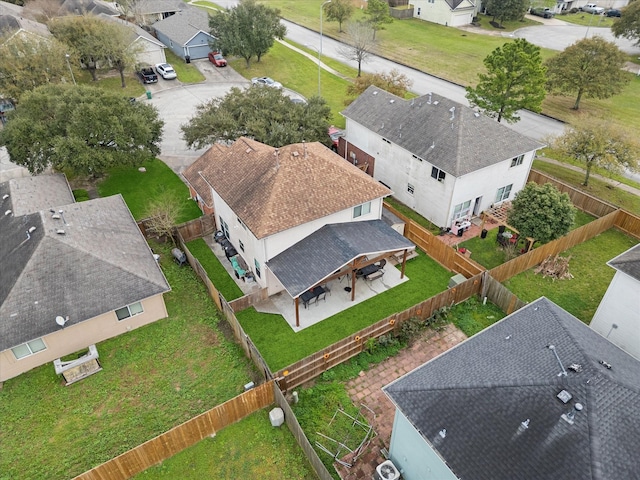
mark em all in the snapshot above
pixel 248 150
pixel 8 212
pixel 453 113
pixel 375 92
pixel 436 102
pixel 60 231
pixel 392 101
pixel 576 367
pixel 5 196
pixel 564 396
pixel 429 101
pixel 569 417
pixel 476 114
pixel 32 229
pixel 439 438
pixel 605 364
pixel 55 216
pixel 295 154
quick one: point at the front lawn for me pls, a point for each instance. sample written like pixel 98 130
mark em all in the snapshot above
pixel 248 449
pixel 139 188
pixel 580 295
pixel 187 72
pixel 215 271
pixel 587 20
pixel 153 379
pixel 281 346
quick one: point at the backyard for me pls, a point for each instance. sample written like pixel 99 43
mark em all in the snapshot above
pixel 223 281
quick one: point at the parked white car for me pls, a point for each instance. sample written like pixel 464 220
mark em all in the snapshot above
pixel 166 71
pixel 266 81
pixel 593 9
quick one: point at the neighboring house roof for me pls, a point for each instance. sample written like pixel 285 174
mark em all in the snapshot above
pixel 453 4
pixel 136 32
pixel 42 192
pixel 194 178
pixel 275 189
pixel 447 134
pixel 484 389
pixel 184 25
pixel 101 263
pixel 95 7
pixel 628 262
pixel 330 248
pixel 12 23
pixel 149 7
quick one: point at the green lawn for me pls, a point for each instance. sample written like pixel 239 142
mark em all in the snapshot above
pixel 472 316
pixel 280 346
pixel 249 449
pixel 139 188
pixel 153 378
pixel 187 72
pixel 580 295
pixel 507 26
pixel 587 20
pixel 215 271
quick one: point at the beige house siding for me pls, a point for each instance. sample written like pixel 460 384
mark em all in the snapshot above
pixel 78 337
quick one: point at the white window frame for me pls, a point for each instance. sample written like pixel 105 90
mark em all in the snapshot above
pixel 515 161
pixel 360 210
pixel 257 265
pixel 33 347
pixel 438 174
pixel 503 193
pixel 133 309
pixel 411 189
pixel 461 210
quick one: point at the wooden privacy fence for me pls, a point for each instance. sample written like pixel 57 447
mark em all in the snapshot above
pixel 183 436
pixel 500 295
pixel 200 271
pixel 315 364
pixel 628 223
pixel 301 438
pixel 439 251
pixel 197 228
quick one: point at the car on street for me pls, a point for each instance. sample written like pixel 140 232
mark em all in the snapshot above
pixel 266 81
pixel 166 71
pixel 542 12
pixel 613 13
pixel 217 59
pixel 147 75
pixel 593 9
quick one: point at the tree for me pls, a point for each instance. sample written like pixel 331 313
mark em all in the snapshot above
pixel 591 67
pixel 82 129
pixel 392 82
pixel 596 143
pixel 42 10
pixel 541 212
pixel 628 25
pixel 246 30
pixel 515 79
pixel 262 113
pixel 505 10
pixel 339 11
pixel 362 41
pixel 378 13
pixel 28 61
pixel 162 214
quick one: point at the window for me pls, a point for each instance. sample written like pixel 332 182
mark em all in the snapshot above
pixel 418 11
pixel 503 193
pixel 385 140
pixel 410 188
pixel 257 264
pixel 225 228
pixel 437 174
pixel 29 348
pixel 129 311
pixel 241 245
pixel 361 210
pixel 417 157
pixel 517 161
pixel 461 210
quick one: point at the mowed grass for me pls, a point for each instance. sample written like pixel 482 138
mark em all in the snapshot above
pixel 248 449
pixel 472 316
pixel 153 378
pixel 187 72
pixel 580 295
pixel 587 19
pixel 138 188
pixel 281 346
pixel 215 271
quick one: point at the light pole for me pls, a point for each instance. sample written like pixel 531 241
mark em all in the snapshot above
pixel 320 51
pixel 311 46
pixel 66 56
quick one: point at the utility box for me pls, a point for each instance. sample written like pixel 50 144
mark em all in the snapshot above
pixel 276 417
pixel 456 280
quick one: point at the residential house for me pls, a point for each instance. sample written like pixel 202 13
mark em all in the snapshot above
pixel 94 7
pixel 186 33
pixel 618 315
pixel 538 395
pixel 150 51
pixel 296 214
pixel 453 13
pixel 441 158
pixel 148 12
pixel 14 23
pixel 86 263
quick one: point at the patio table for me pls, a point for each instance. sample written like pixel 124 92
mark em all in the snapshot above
pixel 368 270
pixel 313 295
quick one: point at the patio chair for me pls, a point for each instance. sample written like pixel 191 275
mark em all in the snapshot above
pixel 383 262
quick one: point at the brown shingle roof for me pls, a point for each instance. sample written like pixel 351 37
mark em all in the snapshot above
pixel 275 189
pixel 193 177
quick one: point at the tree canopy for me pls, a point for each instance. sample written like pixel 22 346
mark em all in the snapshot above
pixel 361 43
pixel 246 30
pixel 392 82
pixel 541 212
pixel 378 13
pixel 515 79
pixel 596 143
pixel 339 11
pixel 628 25
pixel 590 68
pixel 505 10
pixel 82 129
pixel 262 113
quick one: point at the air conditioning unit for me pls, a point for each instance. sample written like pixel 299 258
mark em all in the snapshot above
pixel 387 471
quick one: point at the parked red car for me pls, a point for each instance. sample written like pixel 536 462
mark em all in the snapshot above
pixel 217 59
pixel 335 134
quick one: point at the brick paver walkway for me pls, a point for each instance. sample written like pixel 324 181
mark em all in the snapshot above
pixel 367 389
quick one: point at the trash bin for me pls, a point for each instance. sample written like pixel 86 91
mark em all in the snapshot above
pixel 483 233
pixel 187 59
pixel 501 229
pixel 149 94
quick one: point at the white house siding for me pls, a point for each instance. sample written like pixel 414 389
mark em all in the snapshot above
pixel 440 12
pixel 410 453
pixel 77 337
pixel 151 53
pixel 620 306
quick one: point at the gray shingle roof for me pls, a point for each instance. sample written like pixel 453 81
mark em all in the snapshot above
pixel 42 192
pixel 463 145
pixel 101 263
pixel 95 7
pixel 184 25
pixel 11 22
pixel 331 247
pixel 147 7
pixel 628 262
pixel 135 32
pixel 482 390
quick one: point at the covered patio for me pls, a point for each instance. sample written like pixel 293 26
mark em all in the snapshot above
pixel 327 271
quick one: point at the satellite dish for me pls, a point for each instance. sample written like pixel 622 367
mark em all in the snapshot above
pixel 61 320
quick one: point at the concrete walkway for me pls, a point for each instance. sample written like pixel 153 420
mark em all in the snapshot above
pixel 367 389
